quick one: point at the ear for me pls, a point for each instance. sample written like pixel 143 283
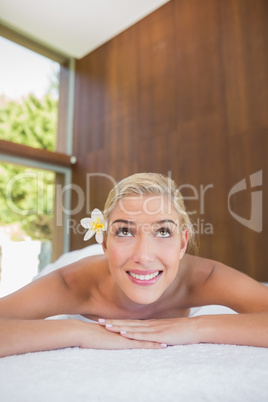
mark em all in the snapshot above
pixel 184 242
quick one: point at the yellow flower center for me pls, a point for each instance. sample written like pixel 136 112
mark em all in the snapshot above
pixel 97 225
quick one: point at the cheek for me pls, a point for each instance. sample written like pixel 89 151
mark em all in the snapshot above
pixel 116 254
pixel 171 257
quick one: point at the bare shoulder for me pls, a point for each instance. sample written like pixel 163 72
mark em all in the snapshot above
pixel 85 274
pixel 196 270
pixel 62 291
pixel 212 282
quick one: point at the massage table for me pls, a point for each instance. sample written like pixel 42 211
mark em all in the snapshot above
pixel 202 372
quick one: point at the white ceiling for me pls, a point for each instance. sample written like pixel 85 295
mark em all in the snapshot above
pixel 74 27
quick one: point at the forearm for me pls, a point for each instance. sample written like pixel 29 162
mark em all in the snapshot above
pixel 233 329
pixel 23 336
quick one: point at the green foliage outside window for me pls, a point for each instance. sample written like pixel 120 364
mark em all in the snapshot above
pixel 27 195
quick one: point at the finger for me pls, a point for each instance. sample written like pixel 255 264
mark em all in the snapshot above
pixel 133 344
pixel 144 336
pixel 104 322
pixel 120 342
pixel 127 328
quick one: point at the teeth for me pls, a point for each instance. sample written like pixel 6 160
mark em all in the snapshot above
pixel 144 277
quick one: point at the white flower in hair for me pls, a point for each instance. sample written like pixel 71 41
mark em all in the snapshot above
pixel 96 224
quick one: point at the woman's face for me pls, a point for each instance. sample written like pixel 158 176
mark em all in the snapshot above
pixel 144 245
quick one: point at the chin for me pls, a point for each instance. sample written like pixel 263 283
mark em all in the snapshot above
pixel 144 298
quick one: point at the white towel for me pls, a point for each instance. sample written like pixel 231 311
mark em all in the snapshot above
pixel 193 373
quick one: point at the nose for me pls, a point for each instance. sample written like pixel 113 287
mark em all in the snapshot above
pixel 144 252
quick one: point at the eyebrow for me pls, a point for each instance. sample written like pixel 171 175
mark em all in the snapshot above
pixel 167 221
pixel 133 223
pixel 123 221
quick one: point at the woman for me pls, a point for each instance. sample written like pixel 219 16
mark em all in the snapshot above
pixel 141 290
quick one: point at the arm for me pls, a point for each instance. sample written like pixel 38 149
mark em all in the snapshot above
pixel 22 328
pixel 249 298
pixel 23 336
pixel 241 329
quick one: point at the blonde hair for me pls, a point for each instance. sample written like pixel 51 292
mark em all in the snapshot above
pixel 151 184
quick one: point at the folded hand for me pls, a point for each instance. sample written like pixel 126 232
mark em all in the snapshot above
pixel 97 337
pixel 171 331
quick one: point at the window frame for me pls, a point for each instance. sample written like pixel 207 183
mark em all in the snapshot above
pixel 61 161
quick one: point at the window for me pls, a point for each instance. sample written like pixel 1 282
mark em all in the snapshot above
pixel 29 93
pixel 26 223
pixel 34 146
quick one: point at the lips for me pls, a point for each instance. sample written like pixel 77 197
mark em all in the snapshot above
pixel 144 277
pixel 148 277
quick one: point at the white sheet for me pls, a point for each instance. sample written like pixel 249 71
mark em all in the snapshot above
pixel 191 373
pixel 180 373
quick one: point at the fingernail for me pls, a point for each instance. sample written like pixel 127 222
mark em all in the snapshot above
pixel 164 345
pixel 108 325
pixel 123 332
pixel 101 320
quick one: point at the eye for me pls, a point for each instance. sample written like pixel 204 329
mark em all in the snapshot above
pixel 123 232
pixel 163 232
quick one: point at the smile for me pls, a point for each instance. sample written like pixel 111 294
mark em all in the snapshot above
pixel 144 277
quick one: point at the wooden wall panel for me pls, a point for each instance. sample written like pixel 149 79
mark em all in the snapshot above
pixel 184 91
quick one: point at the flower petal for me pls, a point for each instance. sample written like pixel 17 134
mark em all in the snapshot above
pixel 99 236
pixel 96 213
pixel 86 223
pixel 96 224
pixel 104 222
pixel 89 234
